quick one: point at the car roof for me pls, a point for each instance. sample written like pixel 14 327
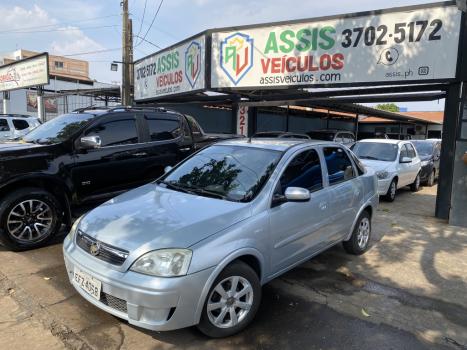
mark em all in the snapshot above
pixel 276 144
pixel 391 141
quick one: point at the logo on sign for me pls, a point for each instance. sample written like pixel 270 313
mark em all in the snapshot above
pixel 236 56
pixel 10 76
pixel 193 62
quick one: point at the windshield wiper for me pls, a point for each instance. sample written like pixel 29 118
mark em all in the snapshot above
pixel 369 157
pixel 175 187
pixel 202 191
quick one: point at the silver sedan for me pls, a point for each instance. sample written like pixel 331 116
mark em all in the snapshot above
pixel 195 246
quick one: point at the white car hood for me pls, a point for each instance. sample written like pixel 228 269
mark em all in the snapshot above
pixel 376 165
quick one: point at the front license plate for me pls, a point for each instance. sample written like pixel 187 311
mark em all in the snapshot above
pixel 87 283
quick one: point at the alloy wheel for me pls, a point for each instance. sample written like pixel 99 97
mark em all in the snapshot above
pixel 30 220
pixel 392 190
pixel 230 302
pixel 363 233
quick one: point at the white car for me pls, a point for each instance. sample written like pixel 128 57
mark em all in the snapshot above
pixel 16 125
pixel 395 162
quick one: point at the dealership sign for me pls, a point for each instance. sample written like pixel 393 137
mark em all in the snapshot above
pixel 175 70
pixel 33 71
pixel 409 45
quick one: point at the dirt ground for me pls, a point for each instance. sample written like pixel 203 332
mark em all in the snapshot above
pixel 409 291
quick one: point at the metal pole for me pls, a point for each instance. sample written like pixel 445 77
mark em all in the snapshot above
pixel 6 102
pixel 356 127
pixel 287 120
pixel 40 104
pixel 125 55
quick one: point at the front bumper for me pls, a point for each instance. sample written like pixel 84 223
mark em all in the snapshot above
pixel 153 303
pixel 383 186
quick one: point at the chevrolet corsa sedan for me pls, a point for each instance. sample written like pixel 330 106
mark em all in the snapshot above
pixel 195 246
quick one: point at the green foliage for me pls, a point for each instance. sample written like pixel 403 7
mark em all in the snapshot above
pixel 389 107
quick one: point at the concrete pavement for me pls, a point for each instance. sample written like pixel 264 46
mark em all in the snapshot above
pixel 407 292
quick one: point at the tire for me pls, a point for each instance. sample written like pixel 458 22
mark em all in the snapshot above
pixel 431 179
pixel 390 195
pixel 246 276
pixel 415 187
pixel 361 235
pixel 29 218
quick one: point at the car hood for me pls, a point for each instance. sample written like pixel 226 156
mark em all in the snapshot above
pixel 152 217
pixel 7 146
pixel 376 165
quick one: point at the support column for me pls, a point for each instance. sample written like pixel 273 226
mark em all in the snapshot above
pixel 452 115
pixel 356 127
pixel 40 104
pixel 6 102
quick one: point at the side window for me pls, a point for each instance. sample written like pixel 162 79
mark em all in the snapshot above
pixel 4 125
pixel 114 133
pixel 339 138
pixel 303 171
pixel 411 151
pixel 161 128
pixel 20 124
pixel 339 165
pixel 360 167
pixel 404 152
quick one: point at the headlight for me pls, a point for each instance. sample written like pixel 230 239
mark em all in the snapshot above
pixel 382 174
pixel 425 162
pixel 74 228
pixel 164 263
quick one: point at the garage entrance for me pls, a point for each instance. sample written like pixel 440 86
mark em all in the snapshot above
pixel 332 64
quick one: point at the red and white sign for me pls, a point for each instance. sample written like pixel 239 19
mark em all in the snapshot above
pixel 242 120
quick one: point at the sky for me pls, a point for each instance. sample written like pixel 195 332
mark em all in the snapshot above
pixel 78 27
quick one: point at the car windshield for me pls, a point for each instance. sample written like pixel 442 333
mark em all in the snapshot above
pixel 424 148
pixel 376 151
pixel 58 129
pixel 321 135
pixel 234 173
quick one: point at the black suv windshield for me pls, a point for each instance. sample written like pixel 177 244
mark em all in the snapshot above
pixel 58 129
pixel 228 172
pixel 424 148
pixel 376 151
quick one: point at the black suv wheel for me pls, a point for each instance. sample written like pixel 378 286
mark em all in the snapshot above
pixel 29 218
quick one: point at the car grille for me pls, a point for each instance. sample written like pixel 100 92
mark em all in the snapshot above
pixel 113 302
pixel 101 250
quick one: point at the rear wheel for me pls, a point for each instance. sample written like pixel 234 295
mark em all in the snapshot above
pixel 415 187
pixel 232 302
pixel 390 195
pixel 29 218
pixel 360 239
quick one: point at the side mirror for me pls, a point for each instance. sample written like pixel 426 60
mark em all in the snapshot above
pixel 167 169
pixel 405 160
pixel 297 194
pixel 90 142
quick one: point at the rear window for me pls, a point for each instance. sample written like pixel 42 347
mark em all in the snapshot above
pixel 161 129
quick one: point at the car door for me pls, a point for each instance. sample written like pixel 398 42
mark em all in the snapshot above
pixel 115 166
pixel 298 229
pixel 5 131
pixel 415 163
pixel 164 144
pixel 345 189
pixel 404 169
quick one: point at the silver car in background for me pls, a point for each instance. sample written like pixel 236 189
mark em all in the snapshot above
pixel 13 126
pixel 395 162
pixel 195 246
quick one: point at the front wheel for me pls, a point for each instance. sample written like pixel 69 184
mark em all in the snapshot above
pixel 431 179
pixel 391 193
pixel 29 218
pixel 232 302
pixel 360 239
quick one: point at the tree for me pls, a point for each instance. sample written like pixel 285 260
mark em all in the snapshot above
pixel 390 107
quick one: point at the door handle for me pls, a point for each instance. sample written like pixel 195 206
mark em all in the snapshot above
pixel 185 149
pixel 140 154
pixel 323 205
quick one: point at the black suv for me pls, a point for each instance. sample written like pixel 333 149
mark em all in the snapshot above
pixel 86 157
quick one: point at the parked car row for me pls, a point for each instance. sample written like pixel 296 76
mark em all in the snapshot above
pixel 86 157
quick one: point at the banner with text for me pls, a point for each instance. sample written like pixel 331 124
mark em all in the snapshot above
pixel 173 71
pixel 420 44
pixel 25 73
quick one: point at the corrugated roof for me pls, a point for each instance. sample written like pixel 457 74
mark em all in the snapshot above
pixel 434 117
